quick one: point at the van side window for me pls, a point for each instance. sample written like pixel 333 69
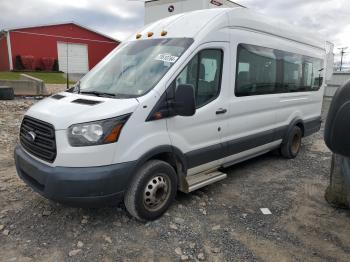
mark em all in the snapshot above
pixel 256 73
pixel 262 71
pixel 292 73
pixel 204 73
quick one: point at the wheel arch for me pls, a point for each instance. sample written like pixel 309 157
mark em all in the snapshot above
pixel 170 154
pixel 295 122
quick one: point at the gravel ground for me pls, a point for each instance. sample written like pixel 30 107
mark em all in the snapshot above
pixel 221 222
pixel 55 88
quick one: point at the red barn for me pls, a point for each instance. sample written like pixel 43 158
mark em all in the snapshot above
pixel 71 44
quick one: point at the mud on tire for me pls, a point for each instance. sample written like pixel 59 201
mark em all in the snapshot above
pixel 291 147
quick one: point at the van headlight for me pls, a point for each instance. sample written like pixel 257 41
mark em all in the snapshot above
pixel 96 133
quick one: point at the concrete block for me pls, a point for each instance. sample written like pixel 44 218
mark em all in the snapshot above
pixel 330 90
pixel 40 85
pixel 26 86
pixel 338 79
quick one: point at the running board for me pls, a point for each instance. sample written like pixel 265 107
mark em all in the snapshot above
pixel 195 182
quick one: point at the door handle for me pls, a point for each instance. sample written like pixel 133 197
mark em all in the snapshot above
pixel 221 111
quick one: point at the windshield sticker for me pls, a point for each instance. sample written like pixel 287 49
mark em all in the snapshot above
pixel 166 58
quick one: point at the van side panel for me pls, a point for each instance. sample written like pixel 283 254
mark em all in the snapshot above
pixel 251 111
pixel 250 122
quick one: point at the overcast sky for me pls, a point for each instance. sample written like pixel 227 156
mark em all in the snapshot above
pixel 119 18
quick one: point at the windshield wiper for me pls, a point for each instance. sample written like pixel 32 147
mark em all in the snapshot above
pixel 74 89
pixel 100 94
pixel 126 96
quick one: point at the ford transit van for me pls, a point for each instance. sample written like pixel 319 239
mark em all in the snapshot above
pixel 171 107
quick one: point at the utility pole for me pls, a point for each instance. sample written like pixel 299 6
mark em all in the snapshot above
pixel 342 52
pixel 67 65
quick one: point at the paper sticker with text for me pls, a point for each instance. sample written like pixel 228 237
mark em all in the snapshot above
pixel 166 58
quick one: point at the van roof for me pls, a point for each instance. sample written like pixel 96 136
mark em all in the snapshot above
pixel 151 1
pixel 190 24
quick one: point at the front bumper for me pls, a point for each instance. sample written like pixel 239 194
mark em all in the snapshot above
pixel 83 186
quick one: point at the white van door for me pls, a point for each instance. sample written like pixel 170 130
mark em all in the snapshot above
pixel 252 103
pixel 199 136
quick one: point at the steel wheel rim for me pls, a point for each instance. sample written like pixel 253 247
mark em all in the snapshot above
pixel 296 143
pixel 157 192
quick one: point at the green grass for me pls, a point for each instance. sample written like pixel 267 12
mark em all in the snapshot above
pixel 48 78
pixel 9 76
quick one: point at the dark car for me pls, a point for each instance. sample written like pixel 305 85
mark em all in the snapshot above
pixel 337 138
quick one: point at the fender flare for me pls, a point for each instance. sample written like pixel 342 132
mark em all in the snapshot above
pixel 294 122
pixel 164 149
pixel 175 152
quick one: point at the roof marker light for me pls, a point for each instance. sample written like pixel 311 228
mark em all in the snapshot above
pixel 150 34
pixel 163 33
pixel 138 36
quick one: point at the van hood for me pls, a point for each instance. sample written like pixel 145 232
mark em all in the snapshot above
pixel 65 109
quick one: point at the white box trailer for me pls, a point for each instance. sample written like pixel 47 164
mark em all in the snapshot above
pixel 159 9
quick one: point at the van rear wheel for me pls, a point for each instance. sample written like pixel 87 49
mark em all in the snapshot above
pixel 152 190
pixel 290 149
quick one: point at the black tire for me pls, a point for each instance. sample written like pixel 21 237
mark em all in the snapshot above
pixel 291 147
pixel 142 195
pixel 7 93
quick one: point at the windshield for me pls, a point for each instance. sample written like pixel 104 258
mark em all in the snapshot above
pixel 134 68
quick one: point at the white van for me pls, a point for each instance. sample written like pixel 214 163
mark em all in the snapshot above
pixel 172 106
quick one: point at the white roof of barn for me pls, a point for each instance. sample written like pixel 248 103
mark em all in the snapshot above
pixel 62 23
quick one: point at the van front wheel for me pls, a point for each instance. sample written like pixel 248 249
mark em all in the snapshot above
pixel 152 190
pixel 290 149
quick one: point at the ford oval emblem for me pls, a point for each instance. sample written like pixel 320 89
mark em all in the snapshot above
pixel 31 136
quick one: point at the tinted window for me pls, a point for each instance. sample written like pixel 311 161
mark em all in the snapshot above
pixel 262 70
pixel 256 73
pixel 204 73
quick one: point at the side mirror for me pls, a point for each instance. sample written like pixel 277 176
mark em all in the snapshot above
pixel 337 129
pixel 185 103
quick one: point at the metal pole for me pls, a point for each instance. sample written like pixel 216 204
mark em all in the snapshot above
pixel 67 67
pixel 341 59
pixel 341 56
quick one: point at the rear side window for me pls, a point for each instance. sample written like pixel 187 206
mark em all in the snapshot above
pixel 204 73
pixel 256 73
pixel 262 70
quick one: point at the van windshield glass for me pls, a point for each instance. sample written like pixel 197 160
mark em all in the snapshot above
pixel 134 68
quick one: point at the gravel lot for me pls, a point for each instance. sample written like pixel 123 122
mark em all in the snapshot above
pixel 221 222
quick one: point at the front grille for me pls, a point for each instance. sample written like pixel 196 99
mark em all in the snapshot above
pixel 43 145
